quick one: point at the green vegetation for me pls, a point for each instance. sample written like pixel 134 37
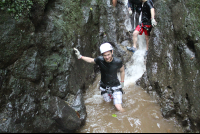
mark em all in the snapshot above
pixel 85 2
pixel 194 7
pixel 16 8
pixel 71 22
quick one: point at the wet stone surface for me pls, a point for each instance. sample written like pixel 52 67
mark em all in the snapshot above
pixel 37 61
pixel 41 79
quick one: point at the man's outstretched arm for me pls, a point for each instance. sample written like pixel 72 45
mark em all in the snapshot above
pixel 87 59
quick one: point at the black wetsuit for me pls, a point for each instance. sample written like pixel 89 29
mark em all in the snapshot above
pixel 135 5
pixel 146 12
pixel 109 71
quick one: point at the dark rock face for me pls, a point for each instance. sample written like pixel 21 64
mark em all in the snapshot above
pixel 41 80
pixel 173 61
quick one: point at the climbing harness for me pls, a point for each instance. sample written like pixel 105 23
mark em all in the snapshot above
pixel 110 90
pixel 143 26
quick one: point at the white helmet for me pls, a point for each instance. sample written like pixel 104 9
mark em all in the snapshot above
pixel 105 47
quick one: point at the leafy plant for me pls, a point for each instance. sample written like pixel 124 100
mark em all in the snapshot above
pixel 194 6
pixel 16 8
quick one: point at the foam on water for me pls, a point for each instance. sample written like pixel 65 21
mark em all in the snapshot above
pixel 142 113
pixel 136 67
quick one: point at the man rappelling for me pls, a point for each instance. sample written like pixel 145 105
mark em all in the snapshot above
pixel 147 21
pixel 110 86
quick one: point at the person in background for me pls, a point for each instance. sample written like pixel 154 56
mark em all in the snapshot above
pixel 147 21
pixel 134 6
pixel 114 2
pixel 110 86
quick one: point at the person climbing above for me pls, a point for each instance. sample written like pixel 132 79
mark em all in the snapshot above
pixel 114 2
pixel 148 20
pixel 134 6
pixel 110 86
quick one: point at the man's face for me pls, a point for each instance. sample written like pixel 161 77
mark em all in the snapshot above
pixel 108 56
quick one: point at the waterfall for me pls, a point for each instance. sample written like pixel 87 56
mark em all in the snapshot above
pixel 142 113
pixel 136 67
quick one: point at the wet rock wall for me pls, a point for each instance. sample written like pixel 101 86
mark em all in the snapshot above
pixel 41 80
pixel 173 61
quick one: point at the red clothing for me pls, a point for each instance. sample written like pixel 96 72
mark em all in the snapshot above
pixel 141 29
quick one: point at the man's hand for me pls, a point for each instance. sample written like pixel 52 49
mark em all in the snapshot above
pixel 153 22
pixel 130 11
pixel 79 56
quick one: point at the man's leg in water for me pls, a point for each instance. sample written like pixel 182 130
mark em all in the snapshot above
pixel 147 42
pixel 117 100
pixel 119 107
pixel 135 34
pixel 106 97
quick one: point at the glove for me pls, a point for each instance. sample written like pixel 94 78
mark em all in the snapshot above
pixel 122 84
pixel 130 12
pixel 79 56
pixel 153 22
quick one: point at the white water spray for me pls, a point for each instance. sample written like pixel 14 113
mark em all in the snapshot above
pixel 136 67
pixel 142 114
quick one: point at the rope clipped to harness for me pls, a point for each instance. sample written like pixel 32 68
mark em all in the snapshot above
pixel 110 91
pixel 143 26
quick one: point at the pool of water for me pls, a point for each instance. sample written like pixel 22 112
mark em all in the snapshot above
pixel 142 113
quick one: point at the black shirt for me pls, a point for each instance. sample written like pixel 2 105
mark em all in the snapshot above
pixel 109 71
pixel 146 12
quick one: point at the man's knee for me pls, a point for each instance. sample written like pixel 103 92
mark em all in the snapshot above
pixel 135 33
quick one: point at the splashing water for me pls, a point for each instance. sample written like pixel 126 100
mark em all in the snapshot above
pixel 142 113
pixel 136 67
